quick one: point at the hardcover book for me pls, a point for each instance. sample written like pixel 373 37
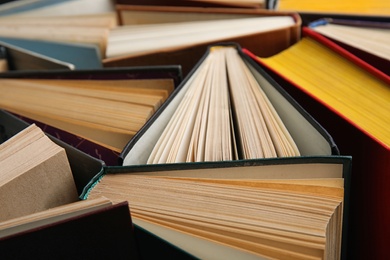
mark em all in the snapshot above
pixel 94 141
pixel 352 104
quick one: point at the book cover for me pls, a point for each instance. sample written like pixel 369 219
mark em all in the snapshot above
pixel 79 56
pixel 21 59
pixel 204 245
pixel 102 233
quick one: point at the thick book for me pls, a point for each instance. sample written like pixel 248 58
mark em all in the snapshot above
pixel 84 167
pixel 104 144
pixel 184 34
pixel 35 174
pixel 188 116
pixel 238 209
pixel 87 229
pixel 356 113
pixel 173 120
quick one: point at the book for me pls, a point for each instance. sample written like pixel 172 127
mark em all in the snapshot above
pixel 355 112
pixel 35 174
pixel 95 228
pixel 83 166
pixel 12 7
pixel 263 4
pixel 351 35
pixel 84 169
pixel 108 112
pixel 56 7
pixel 83 29
pixel 20 59
pixel 197 131
pixel 238 210
pixel 77 56
pixel 152 74
pixel 24 53
pixel 132 14
pixel 182 47
pixel 360 7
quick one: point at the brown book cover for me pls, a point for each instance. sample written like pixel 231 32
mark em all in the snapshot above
pixel 265 43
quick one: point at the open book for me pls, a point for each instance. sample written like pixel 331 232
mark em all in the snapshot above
pixel 282 209
pixel 107 112
pixel 351 100
pixel 172 36
pixel 224 115
pixel 226 109
pixel 35 175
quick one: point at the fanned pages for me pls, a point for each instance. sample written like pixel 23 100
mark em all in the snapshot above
pixel 243 213
pixel 107 112
pixel 171 36
pixel 224 115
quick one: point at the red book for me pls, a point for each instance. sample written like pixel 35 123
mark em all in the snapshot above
pixel 369 224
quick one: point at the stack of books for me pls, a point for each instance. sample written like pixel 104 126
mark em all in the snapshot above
pixel 194 129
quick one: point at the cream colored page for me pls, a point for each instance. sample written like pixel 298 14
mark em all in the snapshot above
pixel 172 36
pixel 163 150
pixel 284 214
pixel 378 42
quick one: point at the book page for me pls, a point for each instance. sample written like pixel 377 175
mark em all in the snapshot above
pixel 178 35
pixel 377 43
pixel 274 220
pixel 106 112
pixel 223 113
pixel 34 177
